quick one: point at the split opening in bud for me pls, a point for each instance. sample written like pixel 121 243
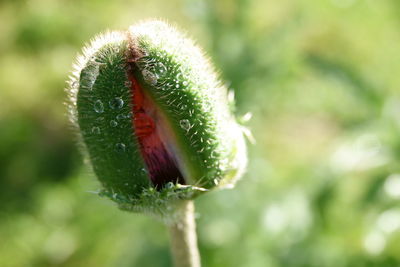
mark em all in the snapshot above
pixel 153 135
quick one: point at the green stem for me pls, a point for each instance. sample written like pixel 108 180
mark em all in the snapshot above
pixel 183 237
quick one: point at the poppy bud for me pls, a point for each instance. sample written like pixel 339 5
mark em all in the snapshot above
pixel 154 118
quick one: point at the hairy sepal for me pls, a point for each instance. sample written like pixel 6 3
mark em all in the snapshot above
pixel 185 87
pixel 105 121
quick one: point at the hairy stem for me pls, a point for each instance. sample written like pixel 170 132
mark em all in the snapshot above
pixel 183 238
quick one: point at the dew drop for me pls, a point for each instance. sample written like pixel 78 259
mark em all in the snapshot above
pixel 149 77
pixel 161 69
pixel 74 84
pixel 185 83
pixel 179 76
pixel 120 117
pixel 185 124
pixel 113 123
pixel 98 106
pixel 95 130
pixel 116 103
pixel 93 76
pixel 128 84
pixel 120 147
pixel 169 185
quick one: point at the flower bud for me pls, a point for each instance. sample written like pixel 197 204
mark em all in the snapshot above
pixel 154 118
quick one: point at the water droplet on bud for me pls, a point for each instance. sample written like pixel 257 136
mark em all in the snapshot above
pixel 74 84
pixel 93 76
pixel 113 123
pixel 95 130
pixel 149 77
pixel 161 68
pixel 128 84
pixel 98 106
pixel 185 124
pixel 120 116
pixel 116 103
pixel 169 185
pixel 120 147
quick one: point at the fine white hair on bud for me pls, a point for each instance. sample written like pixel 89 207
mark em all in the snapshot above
pixel 154 119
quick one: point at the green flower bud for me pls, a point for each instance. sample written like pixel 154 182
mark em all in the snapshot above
pixel 154 118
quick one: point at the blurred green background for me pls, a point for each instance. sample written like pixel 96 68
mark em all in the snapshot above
pixel 323 184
